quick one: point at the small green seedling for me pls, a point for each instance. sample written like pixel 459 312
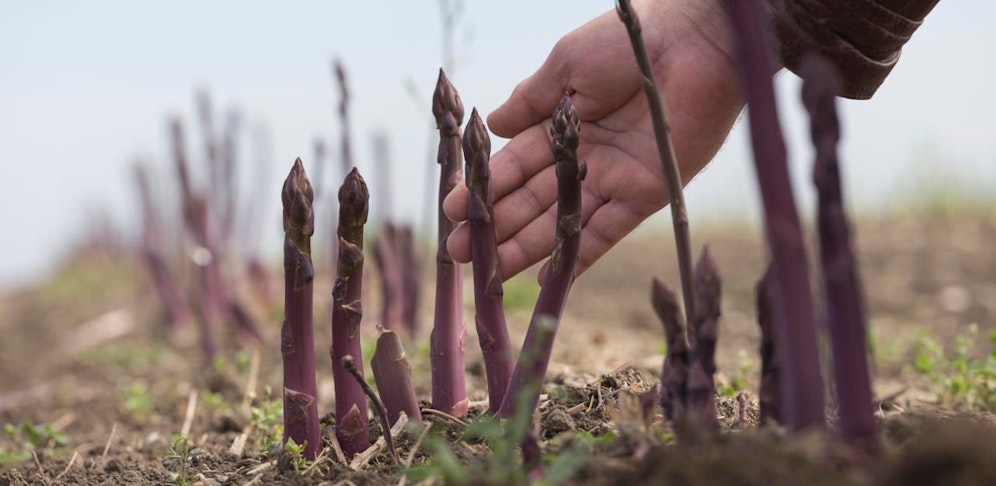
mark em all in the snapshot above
pixel 296 454
pixel 180 454
pixel 267 421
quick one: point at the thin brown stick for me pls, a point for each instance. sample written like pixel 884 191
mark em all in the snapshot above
pixel 662 133
pixel 110 437
pixel 350 364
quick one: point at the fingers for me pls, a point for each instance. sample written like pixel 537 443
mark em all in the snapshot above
pixel 606 227
pixel 530 244
pixel 531 101
pixel 518 162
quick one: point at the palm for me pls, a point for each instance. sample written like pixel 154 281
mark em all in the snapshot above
pixel 624 184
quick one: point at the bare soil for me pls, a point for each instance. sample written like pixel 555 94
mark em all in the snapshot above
pixel 87 354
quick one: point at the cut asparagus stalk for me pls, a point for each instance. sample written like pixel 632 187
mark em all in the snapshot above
pixel 297 343
pixel 393 374
pixel 449 334
pixel 564 129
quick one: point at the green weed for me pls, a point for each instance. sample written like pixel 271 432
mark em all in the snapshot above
pixel 965 380
pixel 181 454
pixel 28 437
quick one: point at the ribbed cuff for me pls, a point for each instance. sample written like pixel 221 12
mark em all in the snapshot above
pixel 862 38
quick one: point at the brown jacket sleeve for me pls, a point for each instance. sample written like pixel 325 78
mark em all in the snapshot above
pixel 863 38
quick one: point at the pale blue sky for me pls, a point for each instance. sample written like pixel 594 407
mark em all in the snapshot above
pixel 85 87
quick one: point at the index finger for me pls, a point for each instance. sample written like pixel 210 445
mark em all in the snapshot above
pixel 525 155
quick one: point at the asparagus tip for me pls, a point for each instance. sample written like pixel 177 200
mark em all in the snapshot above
pixel 475 137
pixel 445 99
pixel 565 124
pixel 297 197
pixel 354 197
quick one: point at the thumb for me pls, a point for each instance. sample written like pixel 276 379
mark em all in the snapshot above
pixel 533 99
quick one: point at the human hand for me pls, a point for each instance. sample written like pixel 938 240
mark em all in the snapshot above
pixel 686 41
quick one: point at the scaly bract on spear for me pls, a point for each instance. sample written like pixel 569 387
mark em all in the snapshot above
pixel 297 341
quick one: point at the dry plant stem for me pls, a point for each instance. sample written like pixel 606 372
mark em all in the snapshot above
pixel 393 374
pixel 449 334
pixel 350 364
pixel 708 300
pixel 845 302
pixel 802 389
pixel 492 331
pixel 347 310
pixel 768 394
pixel 297 342
pixel 674 375
pixel 564 128
pixel 665 150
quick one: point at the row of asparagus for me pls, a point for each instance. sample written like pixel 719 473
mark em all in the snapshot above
pixel 508 381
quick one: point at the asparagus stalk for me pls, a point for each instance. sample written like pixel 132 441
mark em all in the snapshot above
pixel 350 365
pixel 564 129
pixel 347 309
pixel 492 331
pixel 162 279
pixel 410 283
pixel 297 342
pixel 387 261
pixel 674 375
pixel 345 143
pixel 449 335
pixel 665 150
pixel 802 389
pixel 195 220
pixel 520 426
pixel 701 387
pixel 768 394
pixel 845 303
pixel 393 374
